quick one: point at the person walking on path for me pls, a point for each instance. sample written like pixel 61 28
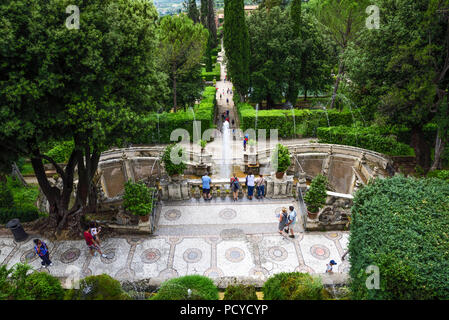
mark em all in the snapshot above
pixel 250 184
pixel 329 266
pixel 291 220
pixel 235 186
pixel 245 141
pixel 283 217
pixel 42 251
pixel 206 187
pixel 92 244
pixel 260 185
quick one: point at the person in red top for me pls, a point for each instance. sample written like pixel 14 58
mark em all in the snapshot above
pixel 91 243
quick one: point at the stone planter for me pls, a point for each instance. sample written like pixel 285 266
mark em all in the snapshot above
pixel 280 175
pixel 311 215
pixel 144 218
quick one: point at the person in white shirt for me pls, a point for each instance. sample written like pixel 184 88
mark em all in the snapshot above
pixel 291 220
pixel 329 266
pixel 260 185
pixel 250 184
pixel 94 231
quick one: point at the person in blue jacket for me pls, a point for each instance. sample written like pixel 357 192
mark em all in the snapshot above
pixel 42 251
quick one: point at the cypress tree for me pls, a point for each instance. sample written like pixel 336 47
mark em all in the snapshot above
pixel 236 43
pixel 211 23
pixel 204 10
pixel 192 10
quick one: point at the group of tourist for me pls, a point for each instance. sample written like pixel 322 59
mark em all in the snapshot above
pixel 286 221
pixel 251 183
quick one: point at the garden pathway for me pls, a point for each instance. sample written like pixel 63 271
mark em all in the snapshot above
pixel 216 239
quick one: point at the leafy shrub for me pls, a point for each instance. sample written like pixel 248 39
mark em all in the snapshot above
pixel 401 225
pixel 366 138
pixel 101 287
pixel 240 292
pixel 43 286
pixel 138 198
pixel 61 151
pixel 6 197
pixel 293 286
pixel 202 288
pixel 282 162
pixel 316 195
pixel 439 174
pixel 170 167
pixel 17 283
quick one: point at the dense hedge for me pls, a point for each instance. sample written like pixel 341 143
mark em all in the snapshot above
pixel 215 73
pixel 240 292
pixel 202 288
pixel 364 137
pixel 401 225
pixel 168 121
pixel 24 214
pixel 293 286
pixel 61 151
pixel 306 121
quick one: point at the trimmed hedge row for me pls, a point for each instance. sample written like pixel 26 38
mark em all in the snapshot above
pixel 364 137
pixel 401 226
pixel 168 121
pixel 215 73
pixel 24 214
pixel 306 121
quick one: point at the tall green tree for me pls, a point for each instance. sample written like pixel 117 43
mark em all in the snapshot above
pixel 341 20
pixel 204 11
pixel 211 26
pixel 236 43
pixel 401 70
pixel 270 34
pixel 183 44
pixel 192 10
pixel 88 85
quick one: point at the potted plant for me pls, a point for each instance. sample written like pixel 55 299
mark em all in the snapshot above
pixel 315 197
pixel 138 200
pixel 251 144
pixel 202 143
pixel 173 161
pixel 280 160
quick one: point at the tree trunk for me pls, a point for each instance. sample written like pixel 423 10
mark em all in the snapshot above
pixel 174 93
pixel 337 82
pixel 305 94
pixel 439 148
pixel 421 147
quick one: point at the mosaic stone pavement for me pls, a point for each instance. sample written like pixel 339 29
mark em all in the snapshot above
pixel 227 251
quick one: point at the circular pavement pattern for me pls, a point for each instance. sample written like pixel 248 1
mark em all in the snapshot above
pixel 111 255
pixel 333 236
pixel 258 272
pixel 235 254
pixel 192 255
pixel 213 273
pixel 278 253
pixel 319 251
pixel 228 214
pixel 70 255
pixel 29 256
pixel 172 214
pixel 150 255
